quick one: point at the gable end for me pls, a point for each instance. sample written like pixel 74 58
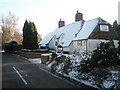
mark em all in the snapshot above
pixel 98 34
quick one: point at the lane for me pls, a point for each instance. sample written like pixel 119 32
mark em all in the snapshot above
pixel 41 78
pixel 34 77
pixel 10 79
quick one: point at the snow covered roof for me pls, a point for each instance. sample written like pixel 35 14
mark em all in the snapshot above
pixel 67 33
pixel 87 29
pixel 47 39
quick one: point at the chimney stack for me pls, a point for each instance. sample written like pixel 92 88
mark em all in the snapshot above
pixel 61 23
pixel 78 16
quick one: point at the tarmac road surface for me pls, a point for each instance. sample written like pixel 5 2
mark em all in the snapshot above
pixel 20 73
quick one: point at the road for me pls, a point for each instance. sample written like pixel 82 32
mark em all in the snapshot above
pixel 17 72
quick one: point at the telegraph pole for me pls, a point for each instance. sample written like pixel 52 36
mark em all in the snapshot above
pixel 119 12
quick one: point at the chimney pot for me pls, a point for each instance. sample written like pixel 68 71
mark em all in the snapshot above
pixel 61 23
pixel 77 11
pixel 78 16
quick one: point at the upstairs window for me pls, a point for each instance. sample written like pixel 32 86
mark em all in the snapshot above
pixel 104 28
pixel 79 43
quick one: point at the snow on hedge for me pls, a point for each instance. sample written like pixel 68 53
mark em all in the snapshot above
pixel 82 78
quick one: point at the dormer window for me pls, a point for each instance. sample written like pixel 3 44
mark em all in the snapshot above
pixel 104 28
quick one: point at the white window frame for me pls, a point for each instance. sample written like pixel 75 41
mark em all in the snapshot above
pixel 104 28
pixel 79 43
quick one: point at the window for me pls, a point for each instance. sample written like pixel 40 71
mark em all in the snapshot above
pixel 104 28
pixel 79 43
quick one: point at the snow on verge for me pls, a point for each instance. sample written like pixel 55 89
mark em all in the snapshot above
pixel 74 74
pixel 35 60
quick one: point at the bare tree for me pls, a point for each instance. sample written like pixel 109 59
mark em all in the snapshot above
pixel 10 30
pixel 39 37
pixel 18 37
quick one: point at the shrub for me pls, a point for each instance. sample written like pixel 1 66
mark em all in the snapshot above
pixel 67 66
pixel 104 57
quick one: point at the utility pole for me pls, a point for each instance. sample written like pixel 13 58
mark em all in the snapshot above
pixel 119 12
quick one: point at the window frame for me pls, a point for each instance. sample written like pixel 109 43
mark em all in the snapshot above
pixel 79 43
pixel 104 28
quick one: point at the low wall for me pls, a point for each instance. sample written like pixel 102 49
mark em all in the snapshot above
pixel 30 55
pixel 44 57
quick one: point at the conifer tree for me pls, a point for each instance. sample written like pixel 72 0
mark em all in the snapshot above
pixel 25 33
pixel 29 35
pixel 116 27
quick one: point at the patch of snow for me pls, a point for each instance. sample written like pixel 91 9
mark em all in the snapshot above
pixel 50 64
pixel 88 83
pixel 113 71
pixel 73 74
pixel 2 51
pixel 35 60
pixel 25 50
pixel 108 84
pixel 48 54
pixel 59 67
pixel 59 54
pixel 115 74
pixel 68 55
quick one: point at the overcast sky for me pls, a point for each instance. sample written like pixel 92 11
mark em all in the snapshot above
pixel 46 13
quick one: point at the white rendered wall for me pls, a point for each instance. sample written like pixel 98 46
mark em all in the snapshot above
pixel 92 44
pixel 52 43
pixel 87 45
pixel 77 48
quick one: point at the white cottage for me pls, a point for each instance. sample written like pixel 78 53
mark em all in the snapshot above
pixel 80 36
pixel 92 34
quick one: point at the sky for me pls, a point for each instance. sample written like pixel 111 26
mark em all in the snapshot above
pixel 46 13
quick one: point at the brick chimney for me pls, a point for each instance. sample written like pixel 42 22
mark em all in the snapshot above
pixel 61 23
pixel 78 16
